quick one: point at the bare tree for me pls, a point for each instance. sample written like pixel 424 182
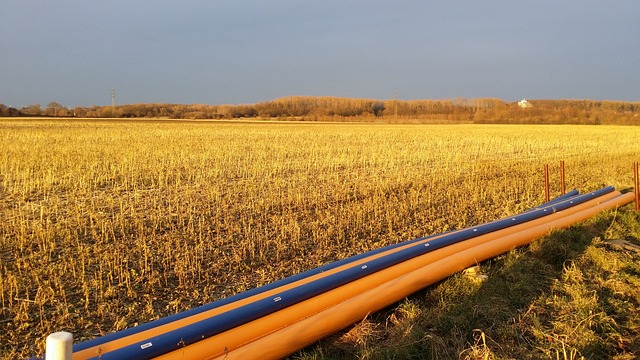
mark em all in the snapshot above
pixel 53 109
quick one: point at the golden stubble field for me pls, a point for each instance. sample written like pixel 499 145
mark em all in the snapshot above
pixel 108 224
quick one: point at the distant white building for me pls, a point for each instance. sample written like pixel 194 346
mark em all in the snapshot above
pixel 524 104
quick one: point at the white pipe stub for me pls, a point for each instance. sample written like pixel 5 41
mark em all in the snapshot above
pixel 59 346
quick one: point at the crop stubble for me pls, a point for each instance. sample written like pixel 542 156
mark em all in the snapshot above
pixel 109 224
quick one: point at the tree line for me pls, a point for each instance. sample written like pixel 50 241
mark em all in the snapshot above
pixel 479 110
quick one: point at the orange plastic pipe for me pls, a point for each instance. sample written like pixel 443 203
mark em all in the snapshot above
pixel 289 339
pixel 228 341
pixel 161 329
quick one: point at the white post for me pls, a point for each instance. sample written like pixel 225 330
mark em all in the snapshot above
pixel 59 346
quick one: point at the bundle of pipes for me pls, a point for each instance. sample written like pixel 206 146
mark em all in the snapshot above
pixel 280 318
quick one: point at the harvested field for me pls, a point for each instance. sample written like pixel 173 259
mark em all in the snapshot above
pixel 108 224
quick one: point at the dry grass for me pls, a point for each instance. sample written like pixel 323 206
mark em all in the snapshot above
pixel 109 224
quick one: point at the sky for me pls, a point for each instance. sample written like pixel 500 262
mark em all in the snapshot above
pixel 245 51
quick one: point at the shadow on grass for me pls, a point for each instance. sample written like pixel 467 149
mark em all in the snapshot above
pixel 506 316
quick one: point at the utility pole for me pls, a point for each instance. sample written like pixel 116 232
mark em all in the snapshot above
pixel 113 102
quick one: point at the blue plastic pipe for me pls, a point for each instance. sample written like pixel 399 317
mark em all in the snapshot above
pixel 117 335
pixel 175 339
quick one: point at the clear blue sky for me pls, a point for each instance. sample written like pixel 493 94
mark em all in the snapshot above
pixel 235 51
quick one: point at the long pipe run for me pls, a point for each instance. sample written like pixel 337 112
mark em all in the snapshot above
pixel 187 333
pixel 233 321
pixel 123 338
